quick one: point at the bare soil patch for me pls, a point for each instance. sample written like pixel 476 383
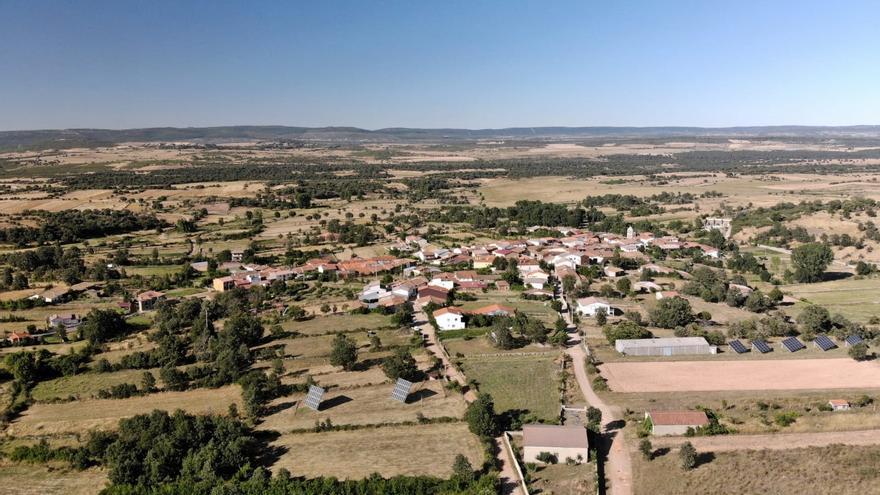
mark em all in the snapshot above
pixel 682 376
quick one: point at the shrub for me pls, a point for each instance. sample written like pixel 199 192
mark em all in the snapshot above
pixel 547 458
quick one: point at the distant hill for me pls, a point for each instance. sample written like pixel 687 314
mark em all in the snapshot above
pixel 72 138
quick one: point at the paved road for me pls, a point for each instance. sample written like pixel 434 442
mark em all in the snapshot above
pixel 618 468
pixel 777 441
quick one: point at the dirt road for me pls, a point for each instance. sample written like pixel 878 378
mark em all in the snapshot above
pixel 778 441
pixel 618 468
pixel 510 482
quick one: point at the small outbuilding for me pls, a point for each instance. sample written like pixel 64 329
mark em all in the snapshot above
pixel 665 346
pixel 839 405
pixel 562 441
pixel 675 422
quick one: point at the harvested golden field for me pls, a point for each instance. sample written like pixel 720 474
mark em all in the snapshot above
pixel 81 416
pixel 788 374
pixel 390 451
pixel 51 479
pixel 367 405
pixel 828 470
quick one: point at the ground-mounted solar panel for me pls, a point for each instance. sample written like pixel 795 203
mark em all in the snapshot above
pixel 313 399
pixel 824 343
pixel 761 346
pixel 793 344
pixel 401 390
pixel 853 340
pixel 738 347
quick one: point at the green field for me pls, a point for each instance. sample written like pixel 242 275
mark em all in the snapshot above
pixel 857 299
pixel 87 384
pixel 518 382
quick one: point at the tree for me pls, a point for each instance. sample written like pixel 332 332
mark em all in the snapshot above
pixel 344 352
pixel 601 316
pixel 243 328
pixel 400 364
pixel 646 449
pixel 480 416
pixel 462 471
pixel 403 316
pixel 173 378
pixel 625 330
pixel 863 268
pixel 672 312
pixel 810 261
pixel 148 382
pixel 859 352
pixel 687 454
pixel 594 419
pixel 814 319
pixel 101 325
pixel 624 286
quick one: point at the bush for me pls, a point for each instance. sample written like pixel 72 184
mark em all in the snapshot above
pixel 547 458
pixel 687 455
pixel 786 418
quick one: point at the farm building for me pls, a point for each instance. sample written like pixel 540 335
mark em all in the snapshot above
pixel 839 404
pixel 666 346
pixel 675 422
pixel 561 441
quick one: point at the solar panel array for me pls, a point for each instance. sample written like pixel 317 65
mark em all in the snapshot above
pixel 824 343
pixel 313 399
pixel 761 346
pixel 738 347
pixel 793 344
pixel 853 340
pixel 401 390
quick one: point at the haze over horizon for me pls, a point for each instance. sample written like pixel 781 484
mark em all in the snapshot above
pixel 453 65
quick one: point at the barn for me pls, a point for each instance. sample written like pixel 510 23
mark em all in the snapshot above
pixel 562 441
pixel 675 422
pixel 666 346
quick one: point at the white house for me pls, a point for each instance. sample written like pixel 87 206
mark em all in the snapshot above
pixel 371 294
pixel 442 282
pixel 450 318
pixel 590 305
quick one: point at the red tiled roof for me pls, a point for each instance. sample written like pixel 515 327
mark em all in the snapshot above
pixel 681 418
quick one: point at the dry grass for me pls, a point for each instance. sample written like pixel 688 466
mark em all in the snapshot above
pixel 389 451
pixel 51 479
pixel 366 405
pixel 338 323
pixel 817 470
pixel 82 416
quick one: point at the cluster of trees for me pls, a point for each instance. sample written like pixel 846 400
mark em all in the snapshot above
pixel 510 332
pixel 636 206
pixel 75 225
pixel 713 286
pixel 52 263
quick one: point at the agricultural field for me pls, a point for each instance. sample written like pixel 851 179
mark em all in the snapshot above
pixel 519 383
pixel 692 376
pixel 430 450
pixel 825 470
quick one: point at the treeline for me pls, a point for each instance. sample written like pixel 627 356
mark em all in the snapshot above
pixel 76 225
pixel 278 173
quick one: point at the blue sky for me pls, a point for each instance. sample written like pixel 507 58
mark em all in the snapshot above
pixel 476 64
